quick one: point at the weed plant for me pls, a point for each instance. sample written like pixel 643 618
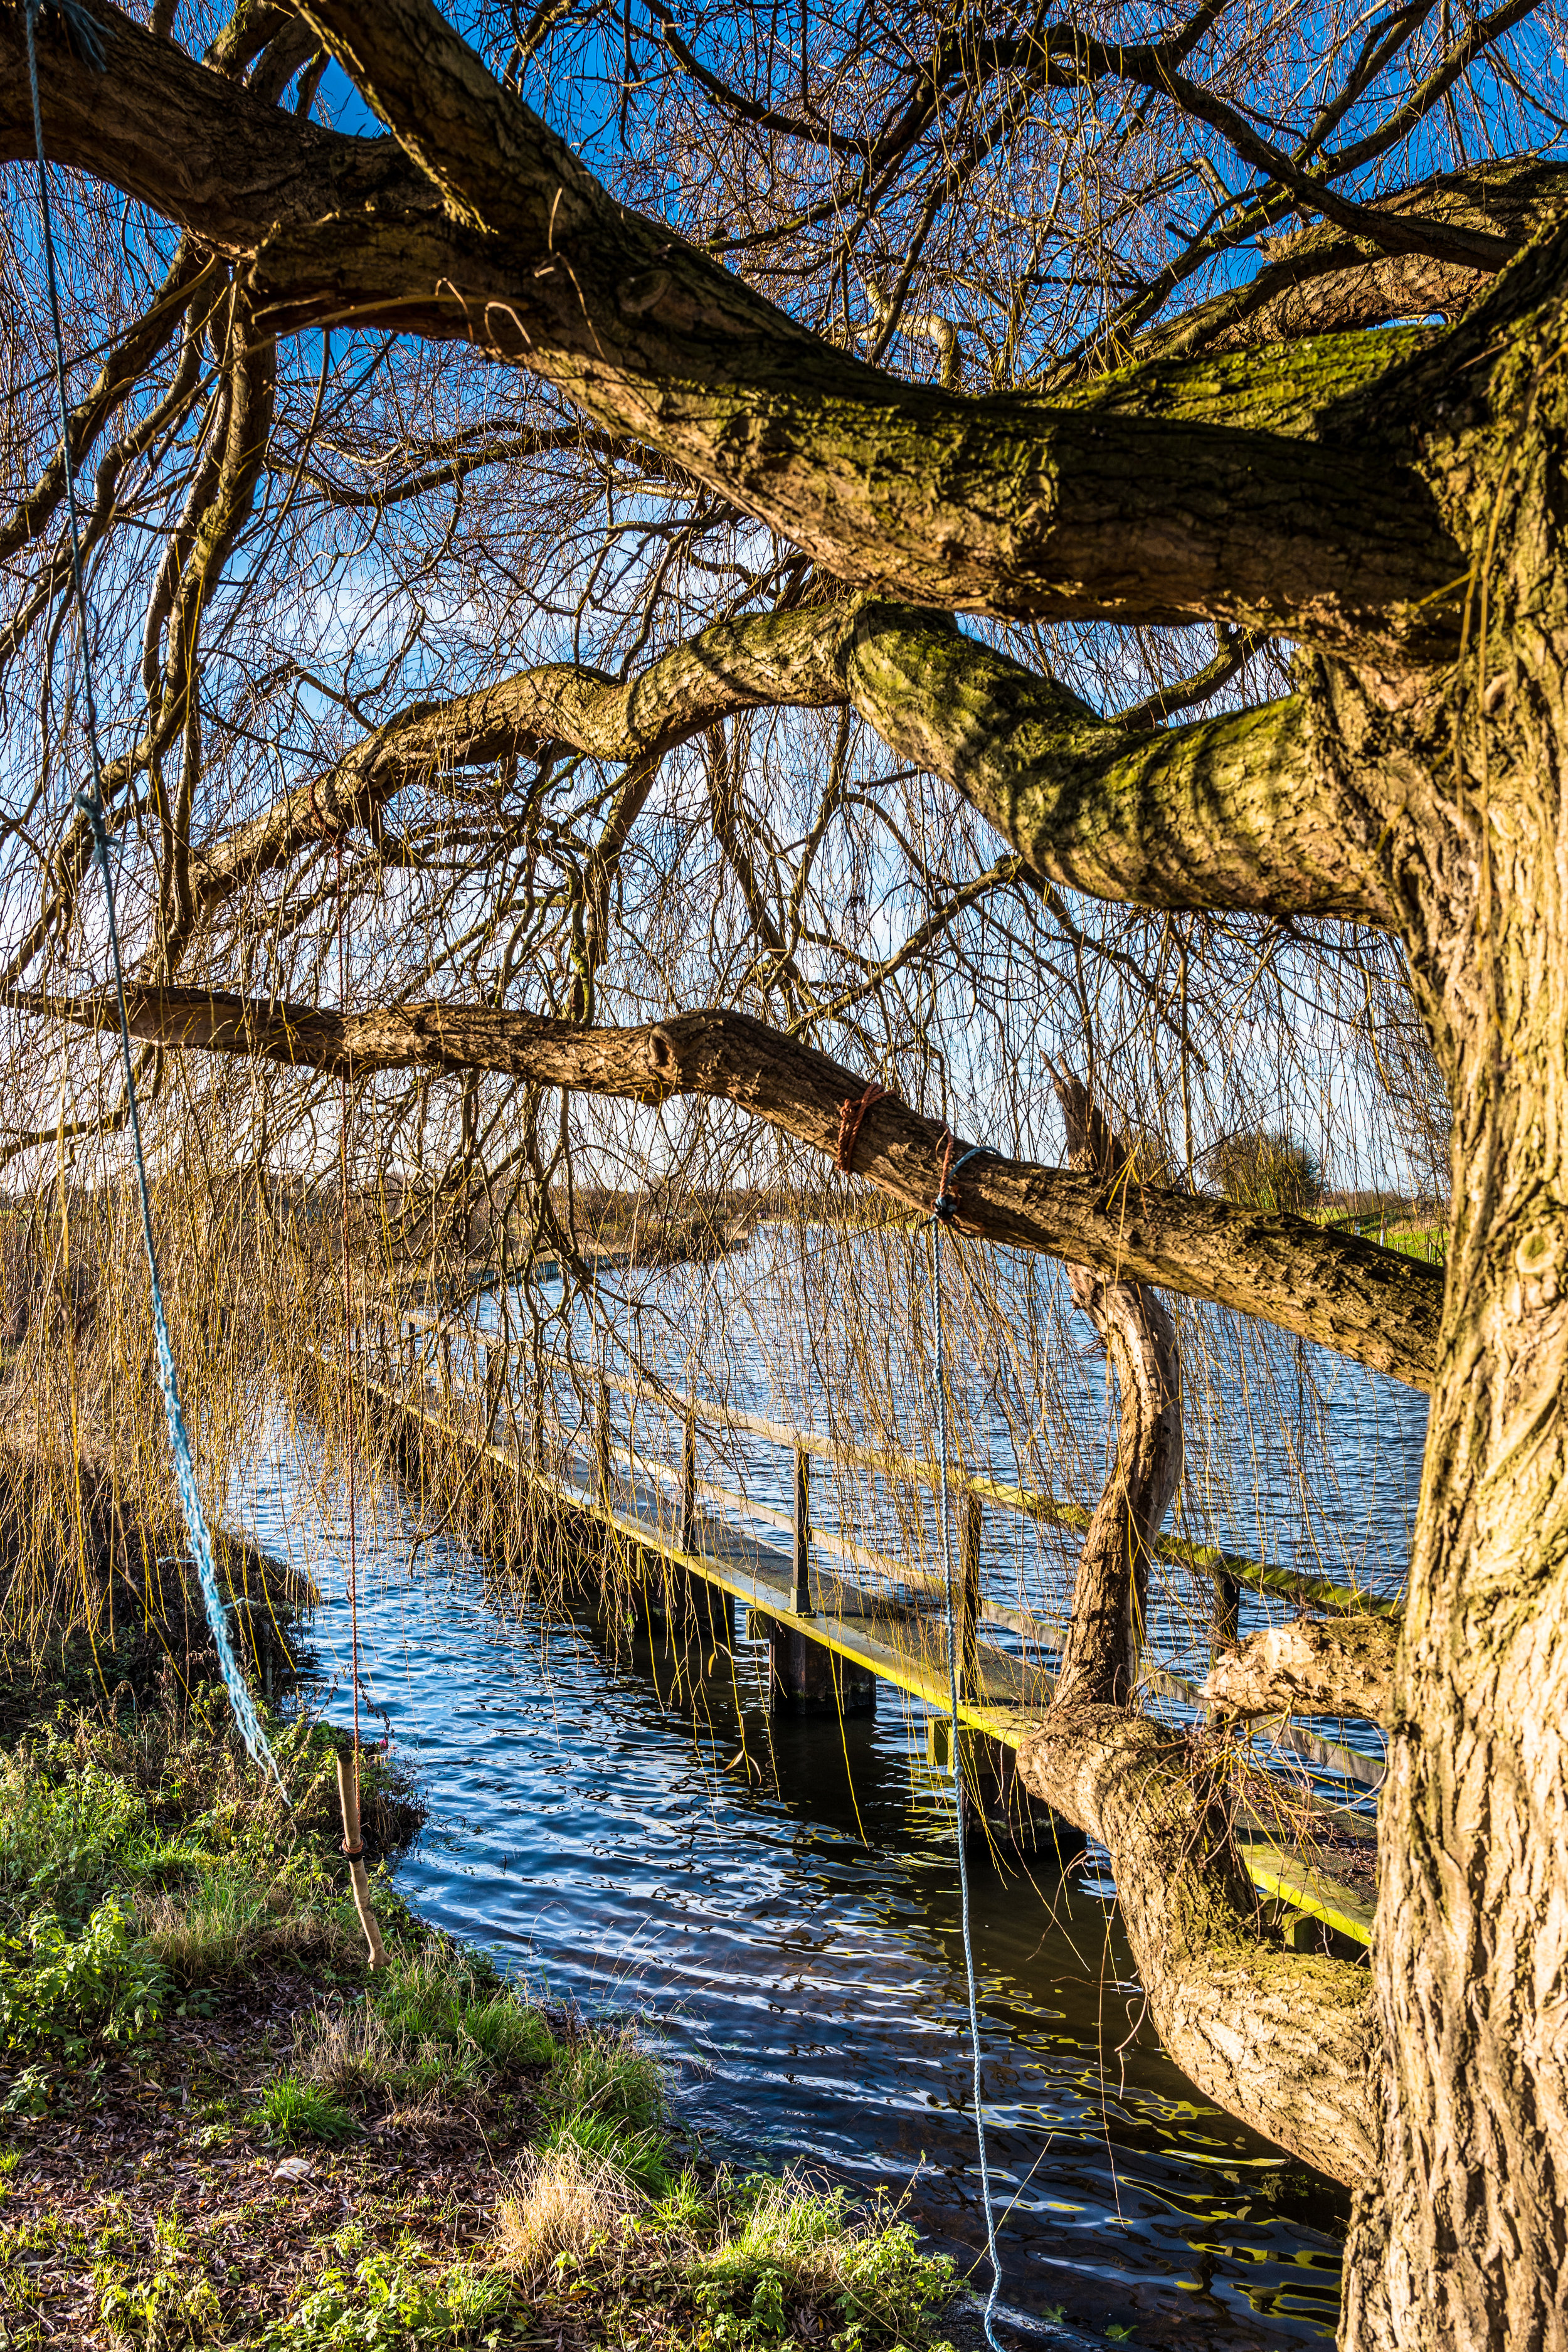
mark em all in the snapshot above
pixel 146 1877
pixel 139 1859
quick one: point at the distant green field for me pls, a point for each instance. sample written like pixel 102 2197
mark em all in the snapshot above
pixel 1414 1239
pixel 1429 1241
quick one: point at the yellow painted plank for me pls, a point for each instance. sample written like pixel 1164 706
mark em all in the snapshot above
pixel 1289 1877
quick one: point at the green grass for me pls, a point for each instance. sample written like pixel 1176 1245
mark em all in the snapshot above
pixel 607 2072
pixel 744 2262
pixel 641 2157
pixel 139 1858
pixel 440 2028
pixel 509 2033
pixel 295 2112
pixel 390 2298
pixel 787 2245
pixel 1392 1230
pixel 144 1870
pixel 1428 1242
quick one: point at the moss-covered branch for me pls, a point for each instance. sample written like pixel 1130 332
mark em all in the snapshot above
pixel 489 229
pixel 1328 281
pixel 1228 811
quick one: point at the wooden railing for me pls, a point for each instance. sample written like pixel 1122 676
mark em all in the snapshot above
pixel 425 1344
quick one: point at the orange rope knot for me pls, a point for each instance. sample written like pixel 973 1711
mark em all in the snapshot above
pixel 334 834
pixel 850 1115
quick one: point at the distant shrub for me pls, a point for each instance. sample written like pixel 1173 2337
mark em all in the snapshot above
pixel 1262 1168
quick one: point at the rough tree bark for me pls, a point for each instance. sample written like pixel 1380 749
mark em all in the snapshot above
pixel 1311 1667
pixel 1287 2041
pixel 1464 2243
pixel 1111 1579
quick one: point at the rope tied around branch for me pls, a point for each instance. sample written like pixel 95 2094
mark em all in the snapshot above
pixel 87 38
pixel 850 1114
pixel 946 1205
pixel 334 836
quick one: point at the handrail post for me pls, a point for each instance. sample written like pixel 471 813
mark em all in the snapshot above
pixel 1224 1631
pixel 800 1599
pixel 968 1627
pixel 601 1444
pixel 688 1538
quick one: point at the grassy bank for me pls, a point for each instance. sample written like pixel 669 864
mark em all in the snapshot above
pixel 217 2126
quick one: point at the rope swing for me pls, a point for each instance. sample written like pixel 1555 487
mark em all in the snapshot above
pixel 86 40
pixel 348 1765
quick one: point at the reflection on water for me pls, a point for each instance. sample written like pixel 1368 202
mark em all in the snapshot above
pixel 779 1899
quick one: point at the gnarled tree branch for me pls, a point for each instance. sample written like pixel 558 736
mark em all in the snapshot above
pixel 1371 1304
pixel 1222 813
pixel 489 229
pixel 1230 811
pixel 1311 1667
pixel 1110 1582
pixel 1286 2041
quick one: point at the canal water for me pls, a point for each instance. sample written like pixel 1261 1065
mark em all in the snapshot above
pixel 776 1901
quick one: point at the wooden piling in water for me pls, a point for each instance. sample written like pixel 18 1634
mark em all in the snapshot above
pixel 805 1676
pixel 603 1475
pixel 686 1531
pixel 800 1600
pixel 687 1608
pixel 828 1647
pixel 968 1610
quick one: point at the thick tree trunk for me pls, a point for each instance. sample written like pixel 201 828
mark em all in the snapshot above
pixel 1465 2246
pixel 1287 2041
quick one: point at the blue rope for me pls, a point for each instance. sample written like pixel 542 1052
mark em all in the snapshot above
pixel 943 1210
pixel 86 38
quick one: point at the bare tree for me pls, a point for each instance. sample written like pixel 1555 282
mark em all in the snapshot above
pixel 751 537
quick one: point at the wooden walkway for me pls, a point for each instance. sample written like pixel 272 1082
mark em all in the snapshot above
pixel 886 1625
